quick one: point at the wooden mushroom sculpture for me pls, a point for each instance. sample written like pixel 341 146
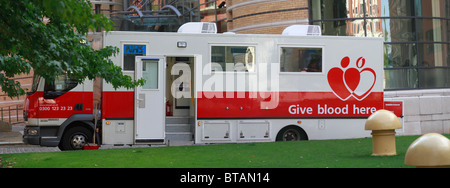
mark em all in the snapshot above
pixel 428 151
pixel 383 124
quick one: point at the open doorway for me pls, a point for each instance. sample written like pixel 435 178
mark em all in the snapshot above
pixel 180 86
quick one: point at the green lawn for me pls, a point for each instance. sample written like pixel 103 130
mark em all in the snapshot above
pixel 354 153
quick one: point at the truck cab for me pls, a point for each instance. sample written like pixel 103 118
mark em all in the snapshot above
pixel 59 113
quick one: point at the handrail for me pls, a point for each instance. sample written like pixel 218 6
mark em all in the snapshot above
pixel 11 115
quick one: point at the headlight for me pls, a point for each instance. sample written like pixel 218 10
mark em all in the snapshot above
pixel 31 131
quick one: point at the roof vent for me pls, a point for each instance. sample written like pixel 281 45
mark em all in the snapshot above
pixel 302 30
pixel 198 27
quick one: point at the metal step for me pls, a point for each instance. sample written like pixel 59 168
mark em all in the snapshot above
pixel 178 120
pixel 179 129
pixel 179 136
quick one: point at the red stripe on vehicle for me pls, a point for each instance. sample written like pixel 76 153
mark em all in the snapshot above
pixel 289 104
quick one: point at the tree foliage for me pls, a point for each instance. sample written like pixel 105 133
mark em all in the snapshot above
pixel 54 48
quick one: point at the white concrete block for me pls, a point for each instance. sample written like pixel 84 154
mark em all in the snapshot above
pixel 411 128
pixel 408 93
pixel 430 104
pixel 412 118
pixel 432 127
pixel 446 127
pixel 432 92
pixel 426 117
pixel 446 92
pixel 411 105
pixel 444 116
pixel 446 104
pixel 390 94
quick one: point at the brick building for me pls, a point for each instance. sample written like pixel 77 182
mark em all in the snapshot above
pixel 214 11
pixel 265 16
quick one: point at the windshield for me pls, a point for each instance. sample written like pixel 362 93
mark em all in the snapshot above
pixel 35 84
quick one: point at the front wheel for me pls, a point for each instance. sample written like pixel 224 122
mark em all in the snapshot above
pixel 291 133
pixel 75 138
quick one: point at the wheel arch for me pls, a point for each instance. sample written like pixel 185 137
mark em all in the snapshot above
pixel 304 135
pixel 85 120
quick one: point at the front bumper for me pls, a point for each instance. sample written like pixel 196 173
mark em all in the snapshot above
pixel 41 136
pixel 31 135
pixel 33 140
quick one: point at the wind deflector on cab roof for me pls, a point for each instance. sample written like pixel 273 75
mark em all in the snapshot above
pixel 302 30
pixel 198 27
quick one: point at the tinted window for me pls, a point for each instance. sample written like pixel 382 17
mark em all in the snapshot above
pixel 301 59
pixel 233 58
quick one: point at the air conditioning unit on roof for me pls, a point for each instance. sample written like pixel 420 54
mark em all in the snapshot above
pixel 198 27
pixel 302 30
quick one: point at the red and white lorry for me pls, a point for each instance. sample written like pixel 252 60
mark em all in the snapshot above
pixel 227 88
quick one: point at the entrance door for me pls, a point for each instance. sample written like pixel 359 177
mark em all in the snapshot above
pixel 180 83
pixel 150 100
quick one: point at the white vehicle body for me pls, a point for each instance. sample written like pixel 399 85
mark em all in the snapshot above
pixel 243 88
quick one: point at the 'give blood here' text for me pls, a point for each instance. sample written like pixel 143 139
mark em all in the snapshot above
pixel 330 110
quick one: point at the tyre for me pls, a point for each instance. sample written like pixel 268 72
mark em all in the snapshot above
pixel 75 138
pixel 291 133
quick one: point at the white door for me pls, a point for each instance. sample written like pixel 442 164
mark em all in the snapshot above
pixel 150 104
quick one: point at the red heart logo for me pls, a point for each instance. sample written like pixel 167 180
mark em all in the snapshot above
pixel 352 78
pixel 336 81
pixel 347 84
pixel 368 74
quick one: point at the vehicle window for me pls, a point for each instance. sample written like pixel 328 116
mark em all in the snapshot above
pixel 233 58
pixel 150 74
pixel 35 84
pixel 61 85
pixel 301 59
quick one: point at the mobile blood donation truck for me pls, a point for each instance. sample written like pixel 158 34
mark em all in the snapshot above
pixel 205 87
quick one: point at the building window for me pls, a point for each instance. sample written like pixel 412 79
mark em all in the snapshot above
pixel 416 35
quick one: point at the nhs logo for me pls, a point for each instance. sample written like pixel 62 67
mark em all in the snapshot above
pixel 134 49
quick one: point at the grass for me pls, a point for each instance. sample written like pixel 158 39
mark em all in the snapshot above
pixel 353 153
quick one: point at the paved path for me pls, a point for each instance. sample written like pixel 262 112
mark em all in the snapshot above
pixel 23 148
pixel 5 149
pixel 11 142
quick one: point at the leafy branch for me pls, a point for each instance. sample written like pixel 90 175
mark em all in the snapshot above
pixel 56 47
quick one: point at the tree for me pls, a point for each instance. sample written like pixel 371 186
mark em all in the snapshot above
pixel 56 47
